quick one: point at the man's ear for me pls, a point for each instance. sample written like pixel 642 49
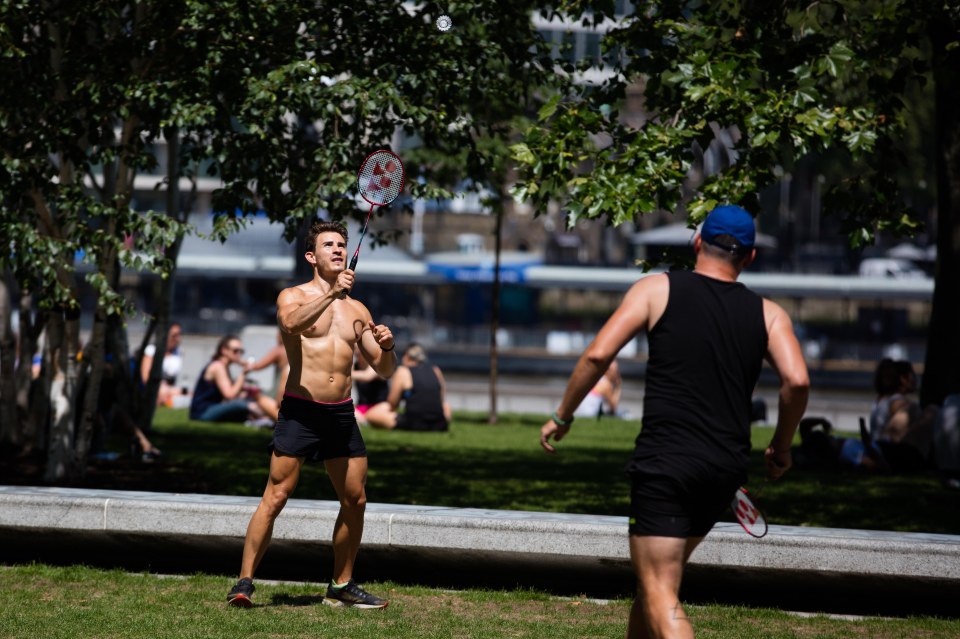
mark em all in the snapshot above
pixel 748 260
pixel 311 257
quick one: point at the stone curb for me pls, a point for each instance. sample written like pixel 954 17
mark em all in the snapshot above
pixel 600 539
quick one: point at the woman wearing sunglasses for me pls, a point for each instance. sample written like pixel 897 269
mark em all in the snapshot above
pixel 218 397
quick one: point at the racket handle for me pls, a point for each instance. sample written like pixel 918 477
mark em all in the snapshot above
pixel 353 265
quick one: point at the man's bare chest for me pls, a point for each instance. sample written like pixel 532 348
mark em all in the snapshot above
pixel 341 323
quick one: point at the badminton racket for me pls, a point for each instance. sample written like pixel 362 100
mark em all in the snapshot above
pixel 379 182
pixel 748 514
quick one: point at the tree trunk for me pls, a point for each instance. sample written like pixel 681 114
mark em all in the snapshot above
pixel 941 375
pixel 495 317
pixel 119 194
pixel 174 208
pixel 63 345
pixel 94 358
pixel 148 400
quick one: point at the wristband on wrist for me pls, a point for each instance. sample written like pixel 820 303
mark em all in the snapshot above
pixel 561 422
pixel 387 350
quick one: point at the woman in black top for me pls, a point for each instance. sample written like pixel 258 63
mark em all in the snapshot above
pixel 417 396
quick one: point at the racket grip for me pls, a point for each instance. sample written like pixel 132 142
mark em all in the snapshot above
pixel 353 265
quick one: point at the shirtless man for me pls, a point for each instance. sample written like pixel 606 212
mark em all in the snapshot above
pixel 320 325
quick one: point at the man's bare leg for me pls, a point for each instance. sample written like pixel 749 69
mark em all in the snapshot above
pixel 349 478
pixel 284 474
pixel 658 565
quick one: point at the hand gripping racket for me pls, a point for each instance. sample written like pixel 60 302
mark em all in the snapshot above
pixel 379 181
pixel 748 514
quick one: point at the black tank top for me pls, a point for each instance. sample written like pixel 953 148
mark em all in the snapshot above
pixel 372 392
pixel 706 352
pixel 205 395
pixel 423 406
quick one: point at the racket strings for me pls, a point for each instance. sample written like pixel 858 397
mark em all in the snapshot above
pixel 381 178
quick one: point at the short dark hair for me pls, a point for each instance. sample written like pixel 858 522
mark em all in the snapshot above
pixel 320 227
pixel 726 248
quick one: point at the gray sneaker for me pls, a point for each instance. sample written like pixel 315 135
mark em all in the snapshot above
pixel 354 596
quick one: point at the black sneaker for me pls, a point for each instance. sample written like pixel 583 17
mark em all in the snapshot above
pixel 353 595
pixel 240 594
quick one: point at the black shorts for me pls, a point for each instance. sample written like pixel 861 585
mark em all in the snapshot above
pixel 683 504
pixel 316 430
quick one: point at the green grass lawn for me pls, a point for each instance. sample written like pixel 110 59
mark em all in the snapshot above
pixel 473 465
pixel 503 467
pixel 70 602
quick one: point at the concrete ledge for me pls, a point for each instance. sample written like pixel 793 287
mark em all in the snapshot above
pixel 811 569
pixel 477 532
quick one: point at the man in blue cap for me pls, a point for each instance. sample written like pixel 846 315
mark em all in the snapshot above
pixel 708 337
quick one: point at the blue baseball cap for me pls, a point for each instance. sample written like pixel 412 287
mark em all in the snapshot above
pixel 729 220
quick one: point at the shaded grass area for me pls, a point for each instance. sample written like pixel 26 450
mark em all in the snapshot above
pixel 76 601
pixel 502 466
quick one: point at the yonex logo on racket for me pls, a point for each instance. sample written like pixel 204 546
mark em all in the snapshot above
pixel 382 175
pixel 381 178
pixel 747 511
pixel 748 514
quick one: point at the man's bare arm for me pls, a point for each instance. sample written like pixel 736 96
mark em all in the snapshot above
pixel 638 310
pixel 296 312
pixel 398 383
pixel 632 316
pixel 377 345
pixel 784 354
pixel 229 388
pixel 447 411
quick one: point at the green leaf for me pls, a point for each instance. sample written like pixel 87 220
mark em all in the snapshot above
pixel 522 153
pixel 548 109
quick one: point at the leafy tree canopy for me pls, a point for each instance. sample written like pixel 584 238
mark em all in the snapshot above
pixel 278 100
pixel 771 83
pixel 767 85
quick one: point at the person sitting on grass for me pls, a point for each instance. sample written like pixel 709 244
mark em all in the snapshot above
pixel 604 397
pixel 900 430
pixel 820 448
pixel 421 388
pixel 371 389
pixel 168 394
pixel 218 397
